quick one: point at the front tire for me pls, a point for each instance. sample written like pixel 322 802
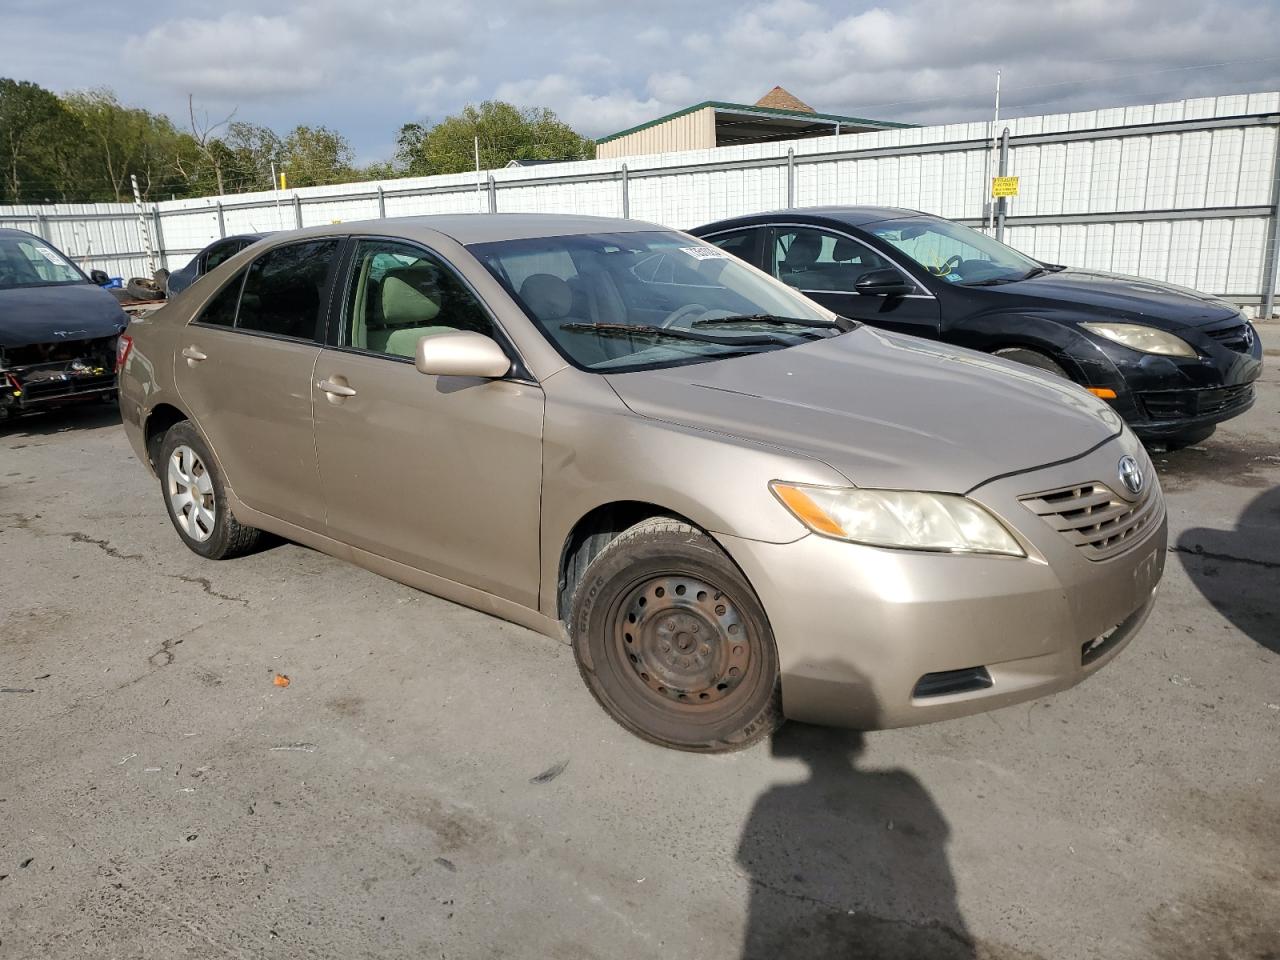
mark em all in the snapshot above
pixel 1033 358
pixel 196 498
pixel 673 643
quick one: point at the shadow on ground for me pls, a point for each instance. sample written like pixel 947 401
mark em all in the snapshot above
pixel 1238 571
pixel 849 863
pixel 79 416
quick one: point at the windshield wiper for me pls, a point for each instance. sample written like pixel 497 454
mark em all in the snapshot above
pixel 1034 272
pixel 771 320
pixel 634 330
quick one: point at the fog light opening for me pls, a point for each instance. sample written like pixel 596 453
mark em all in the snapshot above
pixel 948 682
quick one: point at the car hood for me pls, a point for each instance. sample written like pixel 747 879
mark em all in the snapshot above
pixel 1164 305
pixel 77 311
pixel 883 410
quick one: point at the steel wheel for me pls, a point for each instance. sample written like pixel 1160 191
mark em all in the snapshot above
pixel 190 490
pixel 684 639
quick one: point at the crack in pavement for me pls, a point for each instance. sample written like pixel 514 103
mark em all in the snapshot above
pixel 1199 551
pixel 103 545
pixel 207 587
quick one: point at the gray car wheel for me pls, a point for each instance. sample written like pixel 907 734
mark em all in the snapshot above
pixel 673 643
pixel 195 497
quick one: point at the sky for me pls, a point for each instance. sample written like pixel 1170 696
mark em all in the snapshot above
pixel 366 69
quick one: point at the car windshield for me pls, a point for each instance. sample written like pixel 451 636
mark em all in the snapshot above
pixel 30 262
pixel 955 253
pixel 626 301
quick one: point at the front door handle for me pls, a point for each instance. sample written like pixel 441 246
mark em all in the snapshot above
pixel 194 355
pixel 336 389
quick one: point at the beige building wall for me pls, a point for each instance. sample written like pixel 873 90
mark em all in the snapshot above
pixel 693 131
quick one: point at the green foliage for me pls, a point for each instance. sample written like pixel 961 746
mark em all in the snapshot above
pixel 85 147
pixel 505 132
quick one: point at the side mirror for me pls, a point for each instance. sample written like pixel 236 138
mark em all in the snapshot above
pixel 461 354
pixel 886 282
pixel 99 277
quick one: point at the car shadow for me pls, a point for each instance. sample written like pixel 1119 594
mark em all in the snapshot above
pixel 61 419
pixel 1238 570
pixel 850 862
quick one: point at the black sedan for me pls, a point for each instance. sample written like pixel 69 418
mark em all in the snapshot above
pixel 59 330
pixel 1173 362
pixel 208 258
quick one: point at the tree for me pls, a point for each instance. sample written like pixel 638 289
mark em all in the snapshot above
pixel 252 149
pixel 126 141
pixel 505 132
pixel 209 146
pixel 317 155
pixel 33 125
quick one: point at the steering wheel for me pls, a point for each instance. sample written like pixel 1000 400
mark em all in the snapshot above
pixel 942 269
pixel 688 311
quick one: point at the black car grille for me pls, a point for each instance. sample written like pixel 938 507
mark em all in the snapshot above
pixel 1238 338
pixel 1181 404
pixel 1096 519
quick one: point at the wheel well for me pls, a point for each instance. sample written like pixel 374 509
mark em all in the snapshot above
pixel 161 419
pixel 593 533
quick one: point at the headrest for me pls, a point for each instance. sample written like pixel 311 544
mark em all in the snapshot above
pixel 409 296
pixel 804 250
pixel 549 297
pixel 846 250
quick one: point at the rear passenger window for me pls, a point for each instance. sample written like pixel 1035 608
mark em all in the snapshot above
pixel 221 310
pixel 284 290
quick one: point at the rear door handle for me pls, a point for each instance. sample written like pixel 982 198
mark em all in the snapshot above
pixel 194 355
pixel 336 389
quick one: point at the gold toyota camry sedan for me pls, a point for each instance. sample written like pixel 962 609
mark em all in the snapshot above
pixel 734 504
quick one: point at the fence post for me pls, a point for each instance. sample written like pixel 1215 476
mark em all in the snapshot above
pixel 791 178
pixel 297 211
pixel 42 225
pixel 1002 205
pixel 222 223
pixel 626 194
pixel 382 204
pixel 1271 266
pixel 160 254
pixel 493 195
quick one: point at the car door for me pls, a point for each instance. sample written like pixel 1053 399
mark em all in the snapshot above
pixel 244 369
pixel 440 473
pixel 825 265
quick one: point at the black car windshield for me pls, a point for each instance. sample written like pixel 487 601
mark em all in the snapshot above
pixel 954 253
pixel 30 262
pixel 610 302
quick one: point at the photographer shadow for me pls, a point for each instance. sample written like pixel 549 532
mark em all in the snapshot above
pixel 848 863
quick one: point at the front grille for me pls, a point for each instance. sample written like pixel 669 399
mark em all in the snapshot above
pixel 1180 404
pixel 1238 338
pixel 1096 519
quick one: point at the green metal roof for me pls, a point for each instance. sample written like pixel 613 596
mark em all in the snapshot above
pixel 753 109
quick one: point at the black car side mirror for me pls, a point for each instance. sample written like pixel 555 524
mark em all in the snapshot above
pixel 886 282
pixel 99 277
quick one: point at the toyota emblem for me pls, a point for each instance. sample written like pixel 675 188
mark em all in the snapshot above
pixel 1131 475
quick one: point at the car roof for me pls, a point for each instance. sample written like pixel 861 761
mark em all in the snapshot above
pixel 468 228
pixel 852 216
pixel 13 232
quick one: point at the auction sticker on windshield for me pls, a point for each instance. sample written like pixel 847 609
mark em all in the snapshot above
pixel 51 256
pixel 706 253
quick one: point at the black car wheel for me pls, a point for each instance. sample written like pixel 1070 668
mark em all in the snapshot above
pixel 672 641
pixel 196 498
pixel 1033 358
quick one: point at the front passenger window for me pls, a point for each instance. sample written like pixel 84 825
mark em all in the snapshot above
pixel 398 294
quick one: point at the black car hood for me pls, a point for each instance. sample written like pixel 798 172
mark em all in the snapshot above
pixel 1164 305
pixel 76 311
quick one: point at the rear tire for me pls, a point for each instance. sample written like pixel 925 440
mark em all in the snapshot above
pixel 673 643
pixel 1033 358
pixel 196 498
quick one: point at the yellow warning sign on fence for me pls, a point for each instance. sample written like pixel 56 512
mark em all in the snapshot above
pixel 1004 186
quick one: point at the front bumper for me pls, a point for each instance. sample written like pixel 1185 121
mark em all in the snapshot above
pixel 1164 398
pixel 858 628
pixel 41 376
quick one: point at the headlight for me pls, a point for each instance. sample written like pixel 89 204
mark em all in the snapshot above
pixel 898 518
pixel 1144 339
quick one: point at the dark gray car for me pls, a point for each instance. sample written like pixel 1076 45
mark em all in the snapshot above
pixel 208 258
